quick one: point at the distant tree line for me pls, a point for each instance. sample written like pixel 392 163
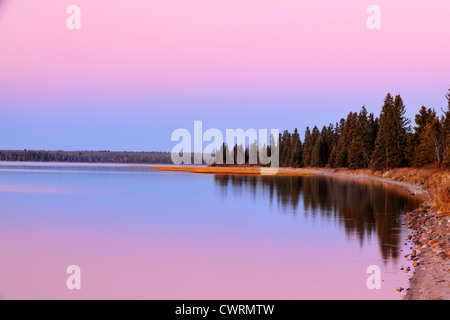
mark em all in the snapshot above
pixel 363 141
pixel 86 156
pixel 359 141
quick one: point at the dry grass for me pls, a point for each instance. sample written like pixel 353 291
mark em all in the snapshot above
pixel 440 192
pixel 435 180
pixel 411 175
pixel 218 170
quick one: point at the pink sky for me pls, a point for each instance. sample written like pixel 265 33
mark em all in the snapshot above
pixel 159 56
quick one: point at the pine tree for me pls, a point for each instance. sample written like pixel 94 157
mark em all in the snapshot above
pixel 360 149
pixel 422 119
pixel 326 139
pixel 285 149
pixel 307 148
pixel 273 152
pixel 337 135
pixel 381 151
pixel 343 146
pixel 252 153
pixel 315 152
pixel 296 150
pixel 397 139
pixel 429 149
pixel 220 157
pixel 412 142
pixel 373 131
pixel 390 144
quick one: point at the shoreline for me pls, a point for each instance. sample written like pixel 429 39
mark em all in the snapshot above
pixel 413 189
pixel 230 170
pixel 429 240
pixel 429 237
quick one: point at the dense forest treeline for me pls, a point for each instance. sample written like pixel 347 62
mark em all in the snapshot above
pixel 86 156
pixel 363 141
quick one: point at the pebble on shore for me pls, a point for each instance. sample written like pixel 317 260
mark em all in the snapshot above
pixel 430 235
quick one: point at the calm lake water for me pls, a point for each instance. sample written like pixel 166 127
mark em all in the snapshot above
pixel 137 233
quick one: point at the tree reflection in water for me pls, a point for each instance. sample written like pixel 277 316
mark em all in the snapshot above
pixel 364 208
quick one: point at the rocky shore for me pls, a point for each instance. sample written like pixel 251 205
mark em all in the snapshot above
pixel 429 239
pixel 430 253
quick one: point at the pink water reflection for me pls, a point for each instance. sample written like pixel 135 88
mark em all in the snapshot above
pixel 140 266
pixel 151 235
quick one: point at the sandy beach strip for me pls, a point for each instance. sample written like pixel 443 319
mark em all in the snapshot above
pixel 231 170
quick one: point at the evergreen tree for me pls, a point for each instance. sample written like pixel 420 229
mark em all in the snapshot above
pixel 251 156
pixel 360 149
pixel 430 148
pixel 285 149
pixel 337 135
pixel 397 139
pixel 373 129
pixel 390 144
pixel 326 142
pixel 343 145
pixel 308 145
pixel 412 142
pixel 381 151
pixel 220 157
pixel 315 152
pixel 422 119
pixel 272 150
pixel 296 150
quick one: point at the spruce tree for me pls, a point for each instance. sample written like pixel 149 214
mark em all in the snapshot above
pixel 381 151
pixel 398 135
pixel 390 144
pixel 373 131
pixel 337 135
pixel 343 146
pixel 296 150
pixel 315 151
pixel 307 148
pixel 285 149
pixel 360 148
pixel 326 139
pixel 422 119
pixel 429 149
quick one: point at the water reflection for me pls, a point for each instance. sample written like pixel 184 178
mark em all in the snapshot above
pixel 363 208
